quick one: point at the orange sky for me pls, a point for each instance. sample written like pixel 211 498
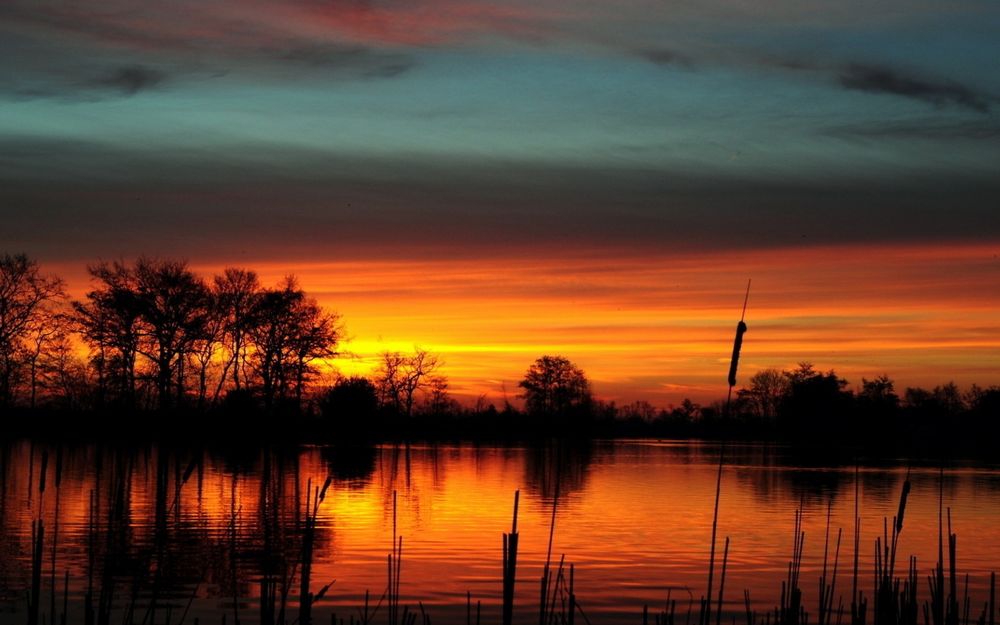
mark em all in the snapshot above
pixel 661 328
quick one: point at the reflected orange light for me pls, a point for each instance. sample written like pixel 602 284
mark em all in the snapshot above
pixel 636 519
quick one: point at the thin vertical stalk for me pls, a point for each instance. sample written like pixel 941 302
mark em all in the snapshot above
pixel 706 610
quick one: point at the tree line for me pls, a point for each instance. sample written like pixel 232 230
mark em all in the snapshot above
pixel 804 403
pixel 160 337
pixel 811 403
pixel 157 336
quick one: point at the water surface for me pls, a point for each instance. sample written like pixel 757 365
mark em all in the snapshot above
pixel 174 533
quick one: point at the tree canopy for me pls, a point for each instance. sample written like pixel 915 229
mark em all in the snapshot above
pixel 554 386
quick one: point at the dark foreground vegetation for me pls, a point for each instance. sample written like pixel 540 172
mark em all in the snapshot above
pixel 154 350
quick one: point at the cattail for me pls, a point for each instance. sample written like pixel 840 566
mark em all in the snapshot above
pixel 741 328
pixel 902 506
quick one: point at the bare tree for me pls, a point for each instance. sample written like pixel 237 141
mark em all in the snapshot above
pixel 174 308
pixel 155 309
pixel 439 401
pixel 388 380
pixel 289 333
pixel 316 337
pixel 399 378
pixel 48 330
pixel 26 295
pixel 109 320
pixel 768 388
pixel 236 292
pixel 208 344
pixel 64 374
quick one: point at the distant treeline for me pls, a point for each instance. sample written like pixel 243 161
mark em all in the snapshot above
pixel 808 405
pixel 169 352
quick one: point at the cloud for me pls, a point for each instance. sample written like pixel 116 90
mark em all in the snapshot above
pixel 664 56
pixel 357 60
pixel 79 198
pixel 129 79
pixel 82 83
pixel 880 79
pixel 225 27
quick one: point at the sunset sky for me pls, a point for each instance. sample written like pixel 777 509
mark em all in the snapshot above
pixel 498 180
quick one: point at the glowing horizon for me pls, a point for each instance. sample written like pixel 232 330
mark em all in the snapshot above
pixel 660 329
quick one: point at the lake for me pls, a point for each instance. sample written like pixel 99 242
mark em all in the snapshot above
pixel 172 535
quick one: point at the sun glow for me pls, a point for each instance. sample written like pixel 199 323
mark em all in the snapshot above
pixel 660 329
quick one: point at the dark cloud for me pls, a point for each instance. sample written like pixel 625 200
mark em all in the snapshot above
pixel 664 56
pixel 880 79
pixel 74 199
pixel 361 61
pixel 129 79
pixel 83 83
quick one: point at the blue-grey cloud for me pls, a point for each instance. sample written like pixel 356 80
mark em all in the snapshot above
pixel 81 82
pixel 881 79
pixel 128 79
pixel 666 57
pixel 353 60
pixel 78 199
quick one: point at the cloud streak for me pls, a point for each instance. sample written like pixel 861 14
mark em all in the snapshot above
pixel 880 79
pixel 666 57
pixel 300 203
pixel 129 79
pixel 354 60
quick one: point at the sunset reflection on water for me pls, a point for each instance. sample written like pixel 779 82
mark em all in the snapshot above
pixel 633 517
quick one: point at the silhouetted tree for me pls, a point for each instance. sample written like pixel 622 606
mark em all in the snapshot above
pixel 237 292
pixel 26 300
pixel 641 411
pixel 174 308
pixel 943 400
pixel 876 406
pixel 768 388
pixel 949 399
pixel 109 320
pixel 439 401
pixel 982 399
pixel 878 396
pixel 916 398
pixel 816 403
pixel 984 410
pixel 687 411
pixel 349 406
pixel 289 333
pixel 554 386
pixel 47 339
pixel 64 374
pixel 399 378
pixel 208 345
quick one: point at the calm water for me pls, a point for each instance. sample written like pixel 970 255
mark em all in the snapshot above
pixel 186 531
